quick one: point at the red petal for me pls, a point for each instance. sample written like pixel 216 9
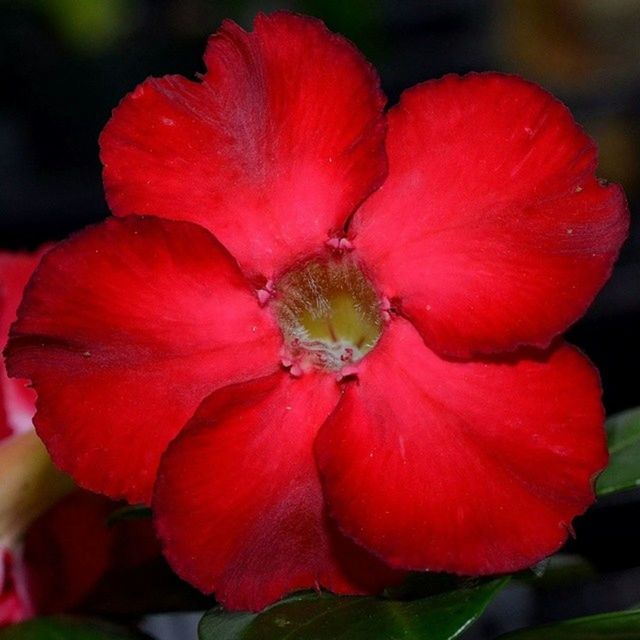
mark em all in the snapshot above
pixel 124 329
pixel 238 501
pixel 466 467
pixel 276 146
pixel 67 551
pixel 72 547
pixel 17 402
pixel 491 228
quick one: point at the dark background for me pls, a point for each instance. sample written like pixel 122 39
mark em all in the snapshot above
pixel 64 64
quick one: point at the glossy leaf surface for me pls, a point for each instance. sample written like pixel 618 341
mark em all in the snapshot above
pixel 623 471
pixel 313 617
pixel 67 628
pixel 622 625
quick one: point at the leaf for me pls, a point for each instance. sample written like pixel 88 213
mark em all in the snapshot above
pixel 558 570
pixel 622 625
pixel 67 628
pixel 423 584
pixel 325 617
pixel 623 471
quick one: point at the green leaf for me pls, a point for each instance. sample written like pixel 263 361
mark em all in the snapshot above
pixel 67 628
pixel 622 625
pixel 325 617
pixel 623 471
pixel 558 570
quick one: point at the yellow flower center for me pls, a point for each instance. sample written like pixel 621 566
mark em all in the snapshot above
pixel 329 313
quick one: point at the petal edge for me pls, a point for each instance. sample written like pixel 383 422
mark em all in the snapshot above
pixel 465 467
pixel 491 231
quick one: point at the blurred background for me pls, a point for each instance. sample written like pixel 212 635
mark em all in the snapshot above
pixel 65 64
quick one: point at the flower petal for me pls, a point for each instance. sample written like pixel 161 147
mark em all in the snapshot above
pixel 67 551
pixel 491 230
pixel 17 402
pixel 465 467
pixel 277 145
pixel 238 502
pixel 123 330
pixel 72 551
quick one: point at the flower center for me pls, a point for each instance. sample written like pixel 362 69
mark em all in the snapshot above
pixel 329 313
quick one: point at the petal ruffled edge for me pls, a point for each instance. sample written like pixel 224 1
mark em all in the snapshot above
pixel 465 467
pixel 123 330
pixel 238 502
pixel 276 146
pixel 491 231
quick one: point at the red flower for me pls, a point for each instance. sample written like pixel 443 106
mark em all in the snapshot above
pixel 360 339
pixel 54 545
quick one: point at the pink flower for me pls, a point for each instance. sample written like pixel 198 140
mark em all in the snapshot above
pixel 354 314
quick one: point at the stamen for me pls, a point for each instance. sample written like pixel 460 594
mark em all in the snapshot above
pixel 385 309
pixel 263 297
pixel 340 244
pixel 266 293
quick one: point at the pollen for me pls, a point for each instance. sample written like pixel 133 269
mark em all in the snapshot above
pixel 329 313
